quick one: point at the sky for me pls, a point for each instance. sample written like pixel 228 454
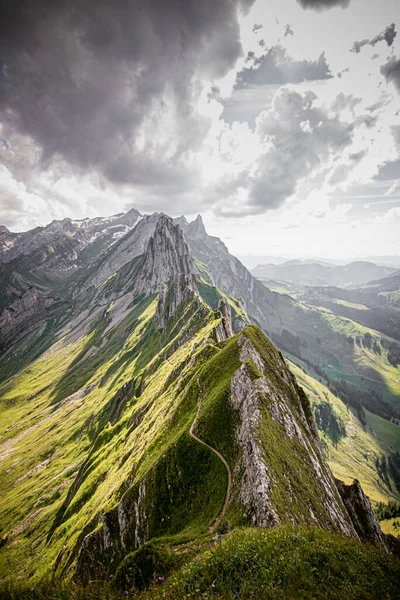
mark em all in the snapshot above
pixel 277 120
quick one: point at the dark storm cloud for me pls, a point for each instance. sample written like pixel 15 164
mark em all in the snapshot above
pixel 323 4
pixel 388 35
pixel 81 77
pixel 277 67
pixel 391 71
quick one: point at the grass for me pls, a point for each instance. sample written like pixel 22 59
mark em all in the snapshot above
pixel 353 456
pixel 285 562
pixel 351 304
pixel 386 433
pixel 69 462
pixel 68 470
pixel 391 526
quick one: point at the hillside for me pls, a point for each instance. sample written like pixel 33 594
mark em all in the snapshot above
pixel 284 562
pixel 375 304
pixel 351 448
pixel 132 411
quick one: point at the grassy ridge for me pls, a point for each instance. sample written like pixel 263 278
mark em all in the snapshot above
pixel 284 562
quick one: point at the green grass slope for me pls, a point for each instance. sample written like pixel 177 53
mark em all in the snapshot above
pixel 350 447
pixel 285 562
pixel 87 417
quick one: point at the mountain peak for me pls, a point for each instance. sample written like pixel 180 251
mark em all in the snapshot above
pixel 166 257
pixel 196 229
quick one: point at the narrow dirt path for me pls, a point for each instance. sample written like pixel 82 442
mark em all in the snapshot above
pixel 219 518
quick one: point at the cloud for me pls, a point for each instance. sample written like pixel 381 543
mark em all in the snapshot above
pixel 277 67
pixel 393 188
pixel 388 35
pixel 341 171
pixel 343 102
pixel 320 5
pixel 288 30
pixel 297 139
pixel 388 170
pixel 391 71
pixel 113 87
pixel 391 215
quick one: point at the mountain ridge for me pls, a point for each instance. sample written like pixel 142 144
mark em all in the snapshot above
pixel 98 412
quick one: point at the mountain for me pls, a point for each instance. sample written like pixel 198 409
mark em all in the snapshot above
pixel 320 274
pixel 252 261
pixel 375 304
pixel 131 411
pixel 45 257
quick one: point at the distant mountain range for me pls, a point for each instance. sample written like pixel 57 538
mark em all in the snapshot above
pixel 311 273
pixel 252 261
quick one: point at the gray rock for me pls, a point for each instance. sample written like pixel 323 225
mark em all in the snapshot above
pixel 360 510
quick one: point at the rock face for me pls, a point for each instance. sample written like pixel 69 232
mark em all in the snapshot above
pixel 83 233
pixel 227 273
pixel 22 315
pixel 182 290
pixel 225 310
pixel 124 250
pixel 167 256
pixel 359 507
pixel 274 410
pixel 165 267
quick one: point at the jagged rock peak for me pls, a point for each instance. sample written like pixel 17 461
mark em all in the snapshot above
pixel 181 221
pixel 225 310
pixel 166 257
pixel 196 229
pixel 360 510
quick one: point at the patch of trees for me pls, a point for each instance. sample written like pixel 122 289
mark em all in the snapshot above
pixel 329 422
pixel 389 467
pixel 367 340
pixel 393 350
pixel 376 348
pixel 370 399
pixel 371 343
pixel 382 467
pixel 387 511
pixel 289 342
pixel 394 467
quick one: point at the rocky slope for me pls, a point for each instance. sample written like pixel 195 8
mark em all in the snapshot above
pixel 97 452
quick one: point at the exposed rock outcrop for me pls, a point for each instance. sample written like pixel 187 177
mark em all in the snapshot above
pixel 360 510
pixel 165 267
pixel 181 290
pixel 23 315
pixel 225 310
pixel 255 394
pixel 167 256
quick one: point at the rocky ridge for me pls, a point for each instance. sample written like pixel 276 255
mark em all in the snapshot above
pixel 142 354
